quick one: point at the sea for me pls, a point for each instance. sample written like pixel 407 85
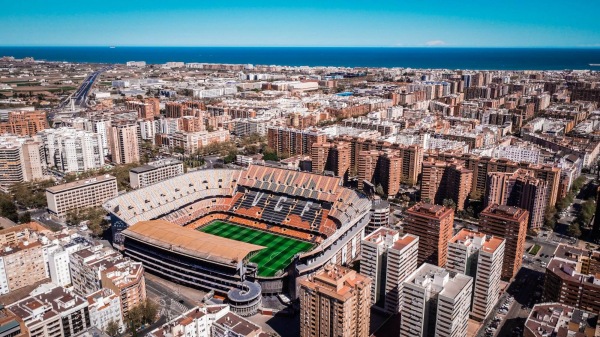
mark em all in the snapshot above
pixel 434 58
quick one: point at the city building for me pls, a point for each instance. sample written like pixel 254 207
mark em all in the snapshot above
pixel 388 258
pixel 21 159
pixel 70 150
pixel 196 322
pixel 53 313
pixel 21 264
pixel 124 143
pixel 433 225
pixel 154 172
pixel 382 170
pixel 232 325
pixel 436 303
pixel 24 123
pixel 126 279
pixel 555 319
pixel 330 157
pixel 520 189
pixel 58 267
pixel 335 302
pixel 291 142
pixel 104 307
pixel 479 256
pixel 11 325
pixel 510 223
pixel 91 192
pixel 573 278
pixel 445 180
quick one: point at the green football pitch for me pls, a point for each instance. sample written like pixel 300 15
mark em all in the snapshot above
pixel 278 254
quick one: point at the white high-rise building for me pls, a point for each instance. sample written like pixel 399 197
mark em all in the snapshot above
pixel 58 263
pixel 71 150
pixel 388 258
pixel 105 307
pixel 436 303
pixel 479 256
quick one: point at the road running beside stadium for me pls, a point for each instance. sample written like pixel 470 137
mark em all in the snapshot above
pixel 279 249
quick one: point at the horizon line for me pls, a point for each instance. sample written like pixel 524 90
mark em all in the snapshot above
pixel 301 46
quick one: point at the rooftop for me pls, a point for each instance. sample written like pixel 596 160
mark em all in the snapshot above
pixel 80 183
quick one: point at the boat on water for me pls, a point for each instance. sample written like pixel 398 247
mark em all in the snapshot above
pixel 112 47
pixel 594 64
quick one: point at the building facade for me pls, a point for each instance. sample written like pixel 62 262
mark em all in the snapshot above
pixel 335 302
pixel 433 224
pixel 388 258
pixel 81 194
pixel 509 223
pixel 154 172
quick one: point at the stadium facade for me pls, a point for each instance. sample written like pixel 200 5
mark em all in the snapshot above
pixel 158 225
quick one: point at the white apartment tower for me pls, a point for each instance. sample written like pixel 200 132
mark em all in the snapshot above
pixel 71 150
pixel 436 303
pixel 479 256
pixel 388 258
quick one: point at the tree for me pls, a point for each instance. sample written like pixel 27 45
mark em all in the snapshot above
pixel 379 190
pixel 25 218
pixel 112 329
pixel 449 203
pixel 574 230
pixel 8 208
pixel 149 311
pixel 550 218
pixel 95 217
pixel 588 209
pixel 135 318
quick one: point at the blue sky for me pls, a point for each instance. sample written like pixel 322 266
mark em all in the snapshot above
pixel 462 23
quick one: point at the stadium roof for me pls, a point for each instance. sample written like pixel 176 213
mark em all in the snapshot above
pixel 191 242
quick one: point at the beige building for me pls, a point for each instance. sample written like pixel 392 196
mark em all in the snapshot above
pixel 436 303
pixel 335 302
pixel 479 256
pixel 124 143
pixel 445 180
pixel 154 172
pixel 126 279
pixel 91 192
pixel 21 264
pixel 388 258
pixel 21 159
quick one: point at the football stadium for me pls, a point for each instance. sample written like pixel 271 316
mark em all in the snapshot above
pixel 240 233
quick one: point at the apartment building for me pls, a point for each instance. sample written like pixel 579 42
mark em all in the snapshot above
pixel 332 158
pixel 555 319
pixel 126 279
pixel 11 325
pixel 86 265
pixel 433 224
pixel 192 142
pixel 21 159
pixel 24 123
pixel 196 322
pixel 573 278
pixel 21 264
pixel 411 156
pixel 335 302
pixel 479 256
pixel 91 192
pixel 380 168
pixel 387 258
pixel 124 143
pixel 520 189
pixel 53 313
pixel 154 172
pixel 232 325
pixel 58 267
pixel 445 180
pixel 509 223
pixel 289 142
pixel 482 166
pixel 70 150
pixel 104 307
pixel 436 303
